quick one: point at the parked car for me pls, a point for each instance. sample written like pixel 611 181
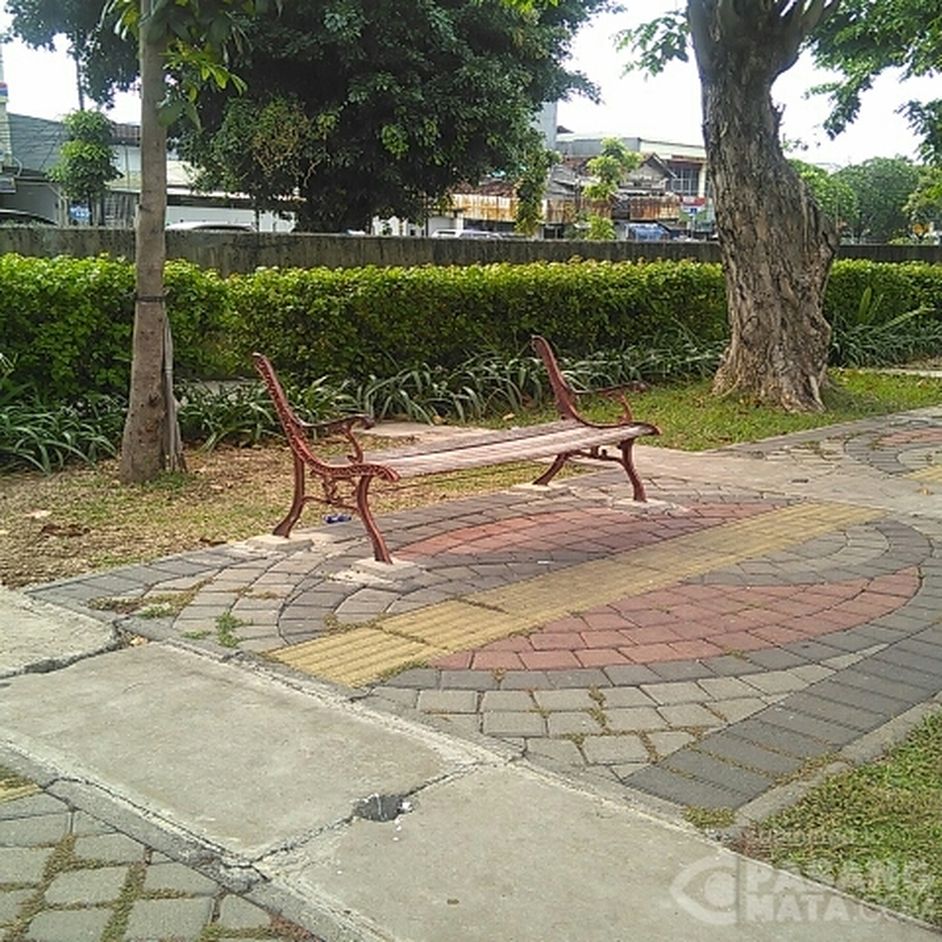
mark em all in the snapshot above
pixel 464 234
pixel 16 217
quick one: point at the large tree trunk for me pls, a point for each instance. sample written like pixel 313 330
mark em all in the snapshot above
pixel 776 245
pixel 147 446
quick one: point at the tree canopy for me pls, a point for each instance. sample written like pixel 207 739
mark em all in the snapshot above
pixel 379 107
pixel 882 186
pixel 863 39
pixel 86 160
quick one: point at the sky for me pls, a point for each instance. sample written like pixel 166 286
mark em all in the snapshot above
pixel 665 108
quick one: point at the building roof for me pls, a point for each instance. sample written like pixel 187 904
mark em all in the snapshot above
pixel 35 142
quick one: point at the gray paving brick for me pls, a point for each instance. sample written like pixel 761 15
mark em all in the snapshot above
pixel 735 710
pixel 727 665
pixel 682 670
pixel 656 780
pixel 626 769
pixel 468 680
pixel 99 885
pixel 831 733
pixel 898 673
pixel 778 738
pixel 626 697
pixel 569 699
pixel 912 662
pixel 670 741
pixel 467 722
pixel 861 678
pixel 634 719
pixel 837 692
pixel 506 723
pixel 557 750
pixel 168 918
pixel 448 701
pixel 587 677
pixel 631 676
pixel 774 659
pixel 30 805
pixel 22 864
pixel 236 913
pixel 609 750
pixel 420 678
pixel 716 772
pixel 81 925
pixel 775 682
pixel 524 680
pixel 34 831
pixel 726 688
pixel 679 692
pixel 404 696
pixel 851 716
pixel 116 848
pixel 571 722
pixel 689 714
pixel 514 700
pixel 811 673
pixel 750 755
pixel 175 876
pixel 10 903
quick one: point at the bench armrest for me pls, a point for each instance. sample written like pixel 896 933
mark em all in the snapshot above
pixel 343 426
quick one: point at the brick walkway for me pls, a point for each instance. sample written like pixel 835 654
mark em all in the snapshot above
pixel 67 876
pixel 702 648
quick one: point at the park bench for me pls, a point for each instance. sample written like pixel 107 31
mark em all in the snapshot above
pixel 346 482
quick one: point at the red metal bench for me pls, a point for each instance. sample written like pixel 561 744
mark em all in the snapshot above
pixel 573 436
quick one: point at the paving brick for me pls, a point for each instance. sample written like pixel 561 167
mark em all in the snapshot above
pixel 22 864
pixel 778 738
pixel 854 717
pixel 862 679
pixel 513 700
pixel 625 697
pixel 680 692
pixel 898 673
pixel 735 710
pixel 689 714
pixel 168 918
pixel 716 772
pixel 76 925
pixel 727 665
pixel 631 676
pixel 404 696
pixel 514 724
pixel 34 831
pixel 775 682
pixel 116 848
pixel 831 733
pixel 99 885
pixel 236 913
pixel 448 701
pixel 750 755
pixel 726 688
pixel 634 719
pixel 663 783
pixel 774 659
pixel 571 723
pixel 834 690
pixel 524 680
pixel 10 903
pixel 468 680
pixel 667 742
pixel 683 670
pixel 577 677
pixel 467 722
pixel 176 876
pixel 558 750
pixel 609 750
pixel 30 805
pixel 420 678
pixel 569 699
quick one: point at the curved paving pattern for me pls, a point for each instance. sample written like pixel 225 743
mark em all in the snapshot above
pixel 700 648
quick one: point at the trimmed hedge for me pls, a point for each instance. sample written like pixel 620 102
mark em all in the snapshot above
pixel 67 322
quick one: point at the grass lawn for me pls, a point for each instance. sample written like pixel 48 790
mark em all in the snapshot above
pixel 875 831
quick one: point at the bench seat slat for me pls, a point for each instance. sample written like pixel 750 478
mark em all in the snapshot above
pixel 498 448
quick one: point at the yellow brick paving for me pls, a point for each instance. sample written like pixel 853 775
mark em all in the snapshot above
pixel 12 786
pixel 364 654
pixel 932 474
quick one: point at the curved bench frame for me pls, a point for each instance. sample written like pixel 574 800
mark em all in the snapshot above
pixel 346 485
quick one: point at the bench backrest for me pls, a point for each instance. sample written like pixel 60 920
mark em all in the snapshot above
pixel 293 428
pixel 562 391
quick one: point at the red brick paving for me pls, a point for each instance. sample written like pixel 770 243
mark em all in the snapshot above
pixel 694 621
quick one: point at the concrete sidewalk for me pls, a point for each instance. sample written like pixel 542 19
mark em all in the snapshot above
pixel 528 701
pixel 221 762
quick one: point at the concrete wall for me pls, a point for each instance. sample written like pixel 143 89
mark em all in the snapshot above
pixel 243 252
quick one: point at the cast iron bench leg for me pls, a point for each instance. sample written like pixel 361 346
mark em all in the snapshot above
pixel 297 502
pixel 380 552
pixel 553 469
pixel 629 466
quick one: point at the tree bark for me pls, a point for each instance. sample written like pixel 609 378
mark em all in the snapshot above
pixel 145 450
pixel 776 245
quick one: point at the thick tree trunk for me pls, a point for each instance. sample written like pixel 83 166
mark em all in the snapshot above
pixel 146 447
pixel 776 245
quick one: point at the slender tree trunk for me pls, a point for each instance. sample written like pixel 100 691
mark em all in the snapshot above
pixel 776 245
pixel 145 447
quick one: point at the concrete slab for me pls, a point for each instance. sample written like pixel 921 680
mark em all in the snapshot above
pixel 37 636
pixel 507 854
pixel 229 756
